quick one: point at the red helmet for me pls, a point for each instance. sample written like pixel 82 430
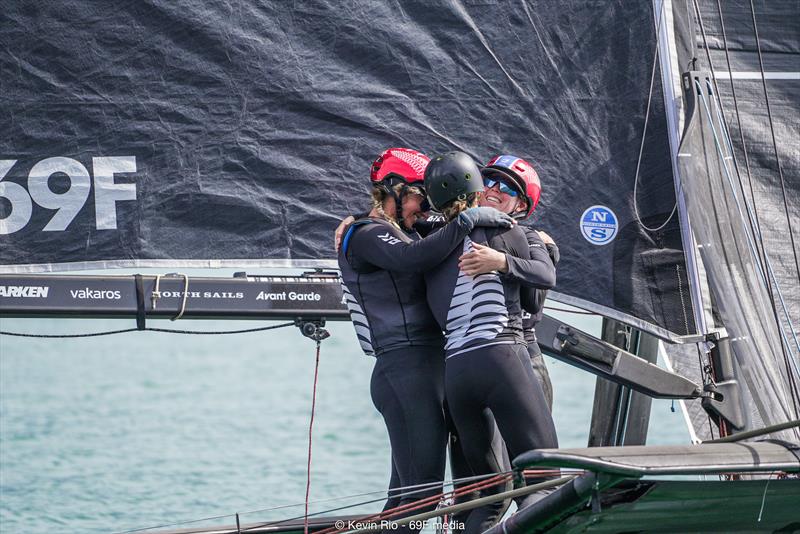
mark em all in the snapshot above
pixel 520 173
pixel 399 164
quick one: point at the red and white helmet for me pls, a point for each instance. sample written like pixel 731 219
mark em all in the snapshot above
pixel 520 173
pixel 397 165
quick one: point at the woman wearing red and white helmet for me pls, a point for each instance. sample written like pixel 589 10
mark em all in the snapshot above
pixel 512 185
pixel 519 173
pixel 381 260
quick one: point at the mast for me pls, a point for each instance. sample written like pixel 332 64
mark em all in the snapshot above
pixel 664 20
pixel 673 103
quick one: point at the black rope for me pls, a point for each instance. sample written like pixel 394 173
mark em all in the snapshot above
pixel 774 142
pixel 148 329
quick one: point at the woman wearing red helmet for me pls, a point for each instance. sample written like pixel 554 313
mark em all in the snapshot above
pixel 380 264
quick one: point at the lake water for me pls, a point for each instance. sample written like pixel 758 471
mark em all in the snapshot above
pixel 115 433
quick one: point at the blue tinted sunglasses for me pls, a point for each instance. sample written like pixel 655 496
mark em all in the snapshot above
pixel 504 187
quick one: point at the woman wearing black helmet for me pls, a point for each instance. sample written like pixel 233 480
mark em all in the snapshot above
pixel 385 294
pixel 485 351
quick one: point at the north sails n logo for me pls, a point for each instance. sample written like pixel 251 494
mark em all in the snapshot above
pixel 24 291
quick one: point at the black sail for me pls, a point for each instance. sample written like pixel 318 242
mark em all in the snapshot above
pixel 188 133
pixel 742 190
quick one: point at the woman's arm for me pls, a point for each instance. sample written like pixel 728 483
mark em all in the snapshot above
pixel 530 265
pixel 386 247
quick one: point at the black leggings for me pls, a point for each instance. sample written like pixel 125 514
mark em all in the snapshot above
pixel 407 388
pixel 496 381
pixel 541 373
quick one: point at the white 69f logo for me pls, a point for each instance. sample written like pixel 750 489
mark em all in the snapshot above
pixel 67 203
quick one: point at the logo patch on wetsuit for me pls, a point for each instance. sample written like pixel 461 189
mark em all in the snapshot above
pixel 599 225
pixel 389 238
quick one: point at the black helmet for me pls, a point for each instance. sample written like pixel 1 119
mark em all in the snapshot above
pixel 451 176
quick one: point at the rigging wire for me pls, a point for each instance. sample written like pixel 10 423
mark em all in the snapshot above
pixel 424 502
pixel 784 342
pixel 757 225
pixel 769 274
pixel 750 241
pixel 564 310
pixel 761 250
pixel 776 288
pixel 757 432
pixel 469 505
pixel 762 256
pixel 310 427
pixel 756 229
pixel 147 329
pixel 774 141
pixel 282 521
pixel 417 488
pixel 644 136
pixel 756 235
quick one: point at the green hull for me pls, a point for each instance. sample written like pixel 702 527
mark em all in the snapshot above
pixel 643 506
pixel 692 506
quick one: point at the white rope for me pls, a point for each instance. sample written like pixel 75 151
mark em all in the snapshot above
pixel 185 297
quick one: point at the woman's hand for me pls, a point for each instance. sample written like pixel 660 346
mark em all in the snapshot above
pixel 337 236
pixel 482 259
pixel 546 238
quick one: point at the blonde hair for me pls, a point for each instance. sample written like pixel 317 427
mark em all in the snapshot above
pixel 452 209
pixel 379 196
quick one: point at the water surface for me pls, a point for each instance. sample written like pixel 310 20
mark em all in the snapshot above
pixel 114 433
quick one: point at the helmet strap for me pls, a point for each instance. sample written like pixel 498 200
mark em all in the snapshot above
pixel 398 201
pixel 388 189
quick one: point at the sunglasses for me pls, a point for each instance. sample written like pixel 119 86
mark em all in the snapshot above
pixel 504 187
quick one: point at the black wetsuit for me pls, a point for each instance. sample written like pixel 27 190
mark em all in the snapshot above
pixel 532 314
pixel 487 371
pixel 385 293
